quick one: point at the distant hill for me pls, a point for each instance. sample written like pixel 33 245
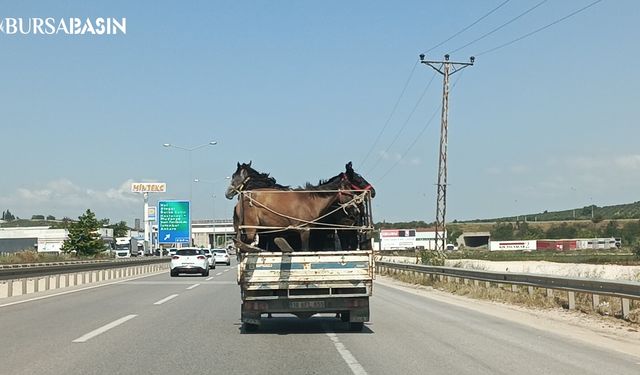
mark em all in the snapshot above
pixel 616 212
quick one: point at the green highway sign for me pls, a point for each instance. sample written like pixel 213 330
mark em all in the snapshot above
pixel 174 222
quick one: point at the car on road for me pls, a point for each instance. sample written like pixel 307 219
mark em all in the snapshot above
pixel 172 251
pixel 189 260
pixel 210 258
pixel 221 256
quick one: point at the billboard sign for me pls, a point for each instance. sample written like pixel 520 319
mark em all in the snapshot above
pixel 152 213
pixel 148 187
pixel 174 224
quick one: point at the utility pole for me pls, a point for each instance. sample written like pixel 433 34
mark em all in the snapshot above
pixel 446 68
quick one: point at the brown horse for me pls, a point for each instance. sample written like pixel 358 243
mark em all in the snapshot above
pixel 246 178
pixel 269 209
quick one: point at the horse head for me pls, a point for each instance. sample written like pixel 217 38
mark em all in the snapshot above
pixel 357 181
pixel 247 178
pixel 238 180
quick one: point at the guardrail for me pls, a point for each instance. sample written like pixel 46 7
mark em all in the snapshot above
pixel 37 269
pixel 625 290
pixel 20 281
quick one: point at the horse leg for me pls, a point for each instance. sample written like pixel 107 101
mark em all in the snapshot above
pixel 304 239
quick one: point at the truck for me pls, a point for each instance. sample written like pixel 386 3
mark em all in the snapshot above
pixel 327 278
pixel 127 247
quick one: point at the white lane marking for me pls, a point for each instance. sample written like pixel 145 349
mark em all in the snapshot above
pixel 165 299
pixel 208 278
pixel 193 286
pixel 219 273
pixel 77 290
pixel 353 363
pixel 227 270
pixel 104 329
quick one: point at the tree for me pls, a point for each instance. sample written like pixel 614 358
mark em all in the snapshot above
pixel 83 236
pixel 37 217
pixel 120 229
pixel 502 232
pixel 7 215
pixel 51 217
pixel 453 232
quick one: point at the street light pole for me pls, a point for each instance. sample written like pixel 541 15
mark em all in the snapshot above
pixel 190 150
pixel 215 241
pixel 213 221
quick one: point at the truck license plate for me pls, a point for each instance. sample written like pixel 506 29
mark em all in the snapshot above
pixel 306 304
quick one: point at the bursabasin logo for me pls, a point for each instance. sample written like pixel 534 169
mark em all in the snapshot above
pixel 64 26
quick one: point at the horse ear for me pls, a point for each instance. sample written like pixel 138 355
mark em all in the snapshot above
pixel 238 165
pixel 349 166
pixel 249 162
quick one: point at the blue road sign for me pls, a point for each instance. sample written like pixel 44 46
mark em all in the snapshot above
pixel 174 224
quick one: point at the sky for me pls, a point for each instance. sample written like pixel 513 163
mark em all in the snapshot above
pixel 301 88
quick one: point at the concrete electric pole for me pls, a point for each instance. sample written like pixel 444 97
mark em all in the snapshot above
pixel 446 68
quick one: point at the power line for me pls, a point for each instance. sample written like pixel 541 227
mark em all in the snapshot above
pixel 393 111
pixel 417 138
pixel 540 29
pixel 415 107
pixel 467 27
pixel 499 27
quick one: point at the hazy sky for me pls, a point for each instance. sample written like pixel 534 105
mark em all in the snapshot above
pixel 302 87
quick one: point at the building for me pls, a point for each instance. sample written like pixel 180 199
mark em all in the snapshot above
pixel 401 239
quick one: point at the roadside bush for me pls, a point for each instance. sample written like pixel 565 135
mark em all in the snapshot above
pixel 432 258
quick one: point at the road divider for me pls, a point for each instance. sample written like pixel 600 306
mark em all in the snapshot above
pixel 64 279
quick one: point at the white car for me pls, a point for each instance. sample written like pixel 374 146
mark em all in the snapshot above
pixel 189 260
pixel 210 258
pixel 221 256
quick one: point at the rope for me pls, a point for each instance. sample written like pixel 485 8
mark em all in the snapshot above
pixel 357 198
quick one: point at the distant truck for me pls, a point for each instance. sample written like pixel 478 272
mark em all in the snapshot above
pixel 127 247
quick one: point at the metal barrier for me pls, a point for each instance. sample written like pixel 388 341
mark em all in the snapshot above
pixel 8 272
pixel 625 290
pixel 63 278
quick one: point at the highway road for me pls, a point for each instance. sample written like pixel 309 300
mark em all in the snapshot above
pixel 163 325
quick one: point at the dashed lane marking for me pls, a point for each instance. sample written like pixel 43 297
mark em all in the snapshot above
pixel 208 278
pixel 193 286
pixel 166 299
pixel 104 329
pixel 219 273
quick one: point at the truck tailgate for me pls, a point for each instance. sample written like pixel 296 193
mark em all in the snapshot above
pixel 268 275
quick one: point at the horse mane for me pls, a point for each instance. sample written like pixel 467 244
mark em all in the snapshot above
pixel 332 183
pixel 260 180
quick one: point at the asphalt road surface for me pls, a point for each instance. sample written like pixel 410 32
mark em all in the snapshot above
pixel 163 325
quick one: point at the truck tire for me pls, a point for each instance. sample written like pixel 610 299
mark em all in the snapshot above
pixel 356 326
pixel 173 274
pixel 205 273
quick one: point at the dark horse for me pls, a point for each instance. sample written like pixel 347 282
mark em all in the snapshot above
pixel 270 205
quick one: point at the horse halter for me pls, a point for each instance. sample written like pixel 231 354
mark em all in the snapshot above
pixel 242 184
